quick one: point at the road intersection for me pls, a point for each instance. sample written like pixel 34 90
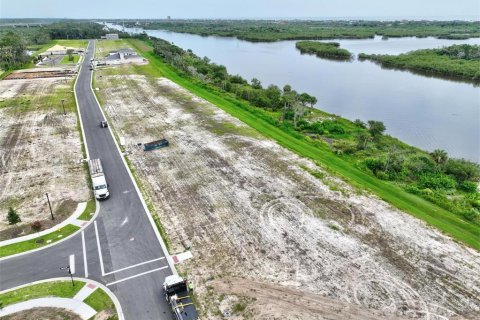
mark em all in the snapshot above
pixel 121 248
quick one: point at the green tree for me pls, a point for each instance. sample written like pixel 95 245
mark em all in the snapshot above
pixel 376 128
pixel 439 156
pixel 70 54
pixel 13 217
pixel 12 51
pixel 462 169
pixel 362 139
pixel 360 123
pixel 256 84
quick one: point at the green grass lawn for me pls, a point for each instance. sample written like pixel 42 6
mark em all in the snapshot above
pixel 99 300
pixel 39 242
pixel 90 208
pixel 65 59
pixel 71 43
pixel 62 289
pixel 418 207
pixel 103 47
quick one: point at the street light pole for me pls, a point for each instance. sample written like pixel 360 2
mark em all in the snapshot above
pixel 49 205
pixel 70 273
pixel 63 105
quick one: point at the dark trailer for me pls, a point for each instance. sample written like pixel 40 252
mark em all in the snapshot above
pixel 155 144
pixel 178 296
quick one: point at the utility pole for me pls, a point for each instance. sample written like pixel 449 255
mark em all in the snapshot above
pixel 70 273
pixel 49 205
pixel 63 105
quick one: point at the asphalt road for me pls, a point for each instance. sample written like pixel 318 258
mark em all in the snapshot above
pixel 131 263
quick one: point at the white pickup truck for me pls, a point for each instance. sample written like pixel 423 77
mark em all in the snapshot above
pixel 99 184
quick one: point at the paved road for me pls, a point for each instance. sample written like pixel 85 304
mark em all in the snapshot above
pixel 133 263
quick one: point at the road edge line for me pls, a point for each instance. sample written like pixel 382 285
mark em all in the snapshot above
pixel 100 257
pixel 85 265
pixel 142 200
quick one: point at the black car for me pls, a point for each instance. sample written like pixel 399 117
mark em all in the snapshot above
pixel 103 124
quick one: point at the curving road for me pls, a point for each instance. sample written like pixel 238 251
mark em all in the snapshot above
pixel 121 248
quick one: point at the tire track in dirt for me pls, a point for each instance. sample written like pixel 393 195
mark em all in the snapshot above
pixel 246 209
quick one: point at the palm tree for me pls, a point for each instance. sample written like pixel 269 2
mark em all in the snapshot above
pixel 439 156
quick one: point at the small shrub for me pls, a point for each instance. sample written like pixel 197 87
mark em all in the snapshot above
pixel 471 214
pixel 468 186
pixel 374 164
pixel 36 226
pixel 382 175
pixel 13 217
pixel 239 307
pixel 413 190
pixel 426 192
pixel 436 181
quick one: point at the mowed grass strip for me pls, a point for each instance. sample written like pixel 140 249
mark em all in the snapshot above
pixel 445 221
pixel 65 60
pixel 62 289
pixel 38 242
pixel 99 300
pixel 89 209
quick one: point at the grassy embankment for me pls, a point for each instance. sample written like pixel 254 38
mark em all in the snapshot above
pixel 98 300
pixel 458 61
pixel 328 50
pixel 434 215
pixel 265 31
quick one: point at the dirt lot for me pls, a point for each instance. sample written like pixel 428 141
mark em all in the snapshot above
pixel 40 152
pixel 269 240
pixel 43 73
pixel 43 314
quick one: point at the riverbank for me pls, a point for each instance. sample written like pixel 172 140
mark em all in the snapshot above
pixel 344 166
pixel 269 31
pixel 456 62
pixel 327 50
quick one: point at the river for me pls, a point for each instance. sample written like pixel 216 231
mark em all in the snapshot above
pixel 425 112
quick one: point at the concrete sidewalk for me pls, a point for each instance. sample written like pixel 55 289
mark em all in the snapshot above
pixel 72 219
pixel 74 305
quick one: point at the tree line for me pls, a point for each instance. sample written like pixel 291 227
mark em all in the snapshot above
pixel 329 50
pixel 275 30
pixel 457 61
pixel 450 183
pixel 14 42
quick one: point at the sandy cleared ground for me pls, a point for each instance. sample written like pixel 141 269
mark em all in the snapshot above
pixel 40 152
pixel 269 240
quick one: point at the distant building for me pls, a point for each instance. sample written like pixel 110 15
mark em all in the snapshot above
pixel 111 36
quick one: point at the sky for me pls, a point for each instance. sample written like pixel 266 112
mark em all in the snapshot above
pixel 238 9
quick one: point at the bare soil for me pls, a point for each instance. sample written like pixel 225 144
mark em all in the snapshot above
pixel 43 314
pixel 42 73
pixel 40 151
pixel 255 220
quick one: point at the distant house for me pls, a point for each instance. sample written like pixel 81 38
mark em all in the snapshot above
pixel 111 36
pixel 122 56
pixel 59 50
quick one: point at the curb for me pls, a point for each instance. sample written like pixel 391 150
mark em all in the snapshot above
pixel 80 208
pixel 59 241
pixel 111 295
pixel 148 213
pixel 86 151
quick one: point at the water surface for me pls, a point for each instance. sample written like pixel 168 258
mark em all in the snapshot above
pixel 426 112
